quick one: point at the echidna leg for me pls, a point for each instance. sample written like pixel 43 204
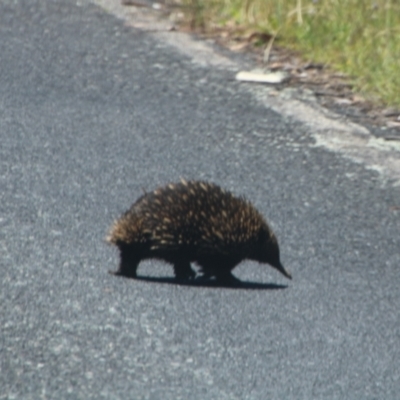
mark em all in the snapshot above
pixel 220 269
pixel 128 263
pixel 183 271
pixel 207 269
pixel 226 277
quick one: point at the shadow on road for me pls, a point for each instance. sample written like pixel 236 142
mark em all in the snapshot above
pixel 237 284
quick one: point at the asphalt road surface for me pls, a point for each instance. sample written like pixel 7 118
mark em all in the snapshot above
pixel 92 111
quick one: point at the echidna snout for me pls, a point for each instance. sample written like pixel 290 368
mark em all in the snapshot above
pixel 282 270
pixel 270 254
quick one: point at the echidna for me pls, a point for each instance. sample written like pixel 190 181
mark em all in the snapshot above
pixel 194 222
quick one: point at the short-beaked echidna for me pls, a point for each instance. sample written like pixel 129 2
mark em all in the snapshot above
pixel 197 222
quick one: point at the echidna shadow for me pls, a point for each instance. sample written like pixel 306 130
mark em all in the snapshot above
pixel 212 283
pixel 194 222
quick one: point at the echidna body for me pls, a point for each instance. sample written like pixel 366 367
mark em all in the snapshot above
pixel 194 222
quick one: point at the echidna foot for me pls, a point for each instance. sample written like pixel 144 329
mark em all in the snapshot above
pixel 183 271
pixel 125 273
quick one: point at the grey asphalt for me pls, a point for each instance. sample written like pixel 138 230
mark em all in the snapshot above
pixel 91 112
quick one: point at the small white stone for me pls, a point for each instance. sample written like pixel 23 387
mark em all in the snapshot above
pixel 261 77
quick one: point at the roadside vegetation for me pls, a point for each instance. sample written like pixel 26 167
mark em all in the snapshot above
pixel 360 38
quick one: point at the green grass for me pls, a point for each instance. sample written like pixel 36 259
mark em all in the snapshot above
pixel 358 37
